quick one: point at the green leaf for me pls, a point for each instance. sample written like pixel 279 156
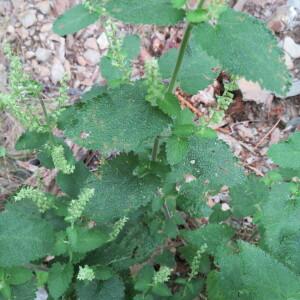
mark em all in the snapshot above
pixel 76 18
pixel 213 235
pixel 131 46
pixel 162 290
pixel 286 154
pixel 252 274
pixel 236 41
pixel 60 277
pixel 24 235
pixel 32 140
pixel 246 197
pixel 178 3
pixel 112 289
pixel 25 291
pixel 158 12
pixel 144 278
pixel 177 149
pixel 197 16
pixel 118 121
pixel 84 239
pixel 279 217
pixel 169 105
pixel 2 152
pixel 111 73
pixel 18 275
pixel 117 191
pixel 133 245
pixel 212 166
pixel 198 70
pixel 71 184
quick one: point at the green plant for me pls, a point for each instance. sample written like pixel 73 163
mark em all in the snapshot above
pixel 124 230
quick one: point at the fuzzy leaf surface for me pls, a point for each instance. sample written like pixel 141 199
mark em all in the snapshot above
pixel 117 191
pixel 286 154
pixel 197 70
pixel 22 228
pixel 279 217
pixel 252 274
pixel 112 289
pixel 60 277
pixel 76 18
pixel 245 197
pixel 119 121
pixel 213 235
pixel 245 47
pixel 158 12
pixel 211 164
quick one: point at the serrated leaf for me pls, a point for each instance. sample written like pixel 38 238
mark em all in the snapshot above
pixel 213 235
pixel 279 217
pixel 76 18
pixel 71 184
pixel 211 164
pixel 18 275
pixel 111 73
pixel 176 149
pixel 246 197
pixel 286 154
pixel 24 235
pixel 236 41
pixel 32 140
pixel 252 274
pixel 119 121
pixel 60 277
pixel 25 291
pixel 159 12
pixel 84 239
pixel 178 3
pixel 169 105
pixel 133 245
pixel 112 289
pixel 198 69
pixel 117 191
pixel 131 46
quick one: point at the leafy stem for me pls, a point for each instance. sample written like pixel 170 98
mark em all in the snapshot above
pixel 155 148
pixel 182 49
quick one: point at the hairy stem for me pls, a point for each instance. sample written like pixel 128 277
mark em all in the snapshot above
pixel 182 49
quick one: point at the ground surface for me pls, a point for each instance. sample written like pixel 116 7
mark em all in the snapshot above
pixel 256 119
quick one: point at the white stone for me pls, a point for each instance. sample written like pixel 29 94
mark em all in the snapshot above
pixel 57 72
pixel 91 43
pixel 43 7
pixel 29 54
pixel 103 41
pixel 92 56
pixel 291 47
pixel 288 61
pixel 295 89
pixel 28 18
pixel 42 54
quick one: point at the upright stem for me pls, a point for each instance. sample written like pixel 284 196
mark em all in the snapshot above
pixel 182 49
pixel 155 148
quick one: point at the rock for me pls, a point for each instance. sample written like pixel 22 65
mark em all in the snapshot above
pixel 103 41
pixel 28 18
pixel 253 92
pixel 291 47
pixel 91 43
pixel 92 56
pixel 29 54
pixel 57 71
pixel 22 32
pixel 43 7
pixel 295 89
pixel 46 27
pixel 81 60
pixel 42 54
pixel 288 61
